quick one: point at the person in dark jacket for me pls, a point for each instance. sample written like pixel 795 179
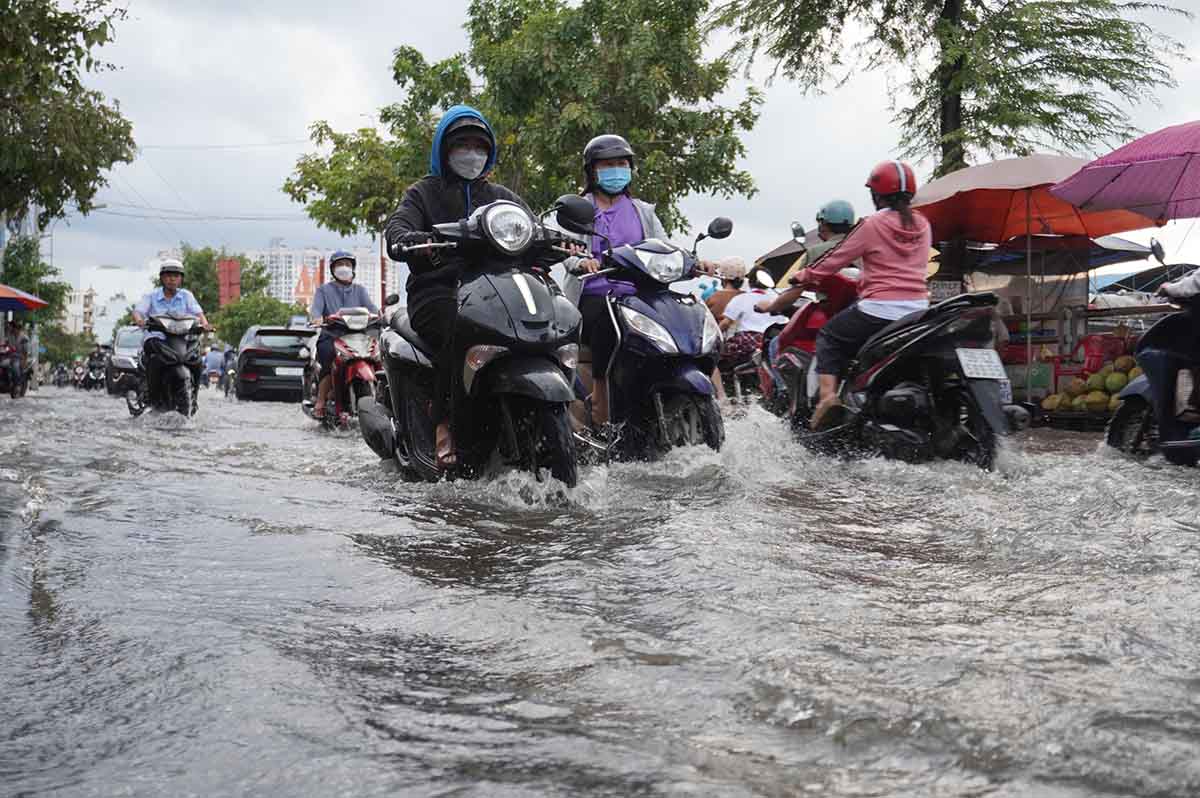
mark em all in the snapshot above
pixel 462 156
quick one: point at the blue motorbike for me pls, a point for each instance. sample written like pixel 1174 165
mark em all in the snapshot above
pixel 1160 409
pixel 660 395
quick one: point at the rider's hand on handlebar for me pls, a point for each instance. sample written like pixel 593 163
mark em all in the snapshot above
pixel 1162 291
pixel 708 267
pixel 588 266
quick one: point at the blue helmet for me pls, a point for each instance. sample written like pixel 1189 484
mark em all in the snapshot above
pixel 836 212
pixel 342 254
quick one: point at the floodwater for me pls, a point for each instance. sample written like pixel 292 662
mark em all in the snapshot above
pixel 241 605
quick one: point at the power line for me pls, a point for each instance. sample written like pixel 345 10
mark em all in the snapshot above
pixel 203 217
pixel 247 146
pixel 164 224
pixel 171 187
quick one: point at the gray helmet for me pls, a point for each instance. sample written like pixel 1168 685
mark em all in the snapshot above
pixel 170 266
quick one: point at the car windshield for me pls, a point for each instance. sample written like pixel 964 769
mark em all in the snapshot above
pixel 129 339
pixel 281 341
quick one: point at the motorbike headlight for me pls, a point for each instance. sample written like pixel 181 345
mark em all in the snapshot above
pixel 568 355
pixel 304 352
pixel 712 332
pixel 509 227
pixel 666 267
pixel 478 357
pixel 651 329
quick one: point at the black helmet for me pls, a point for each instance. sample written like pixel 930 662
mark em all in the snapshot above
pixel 603 147
pixel 463 125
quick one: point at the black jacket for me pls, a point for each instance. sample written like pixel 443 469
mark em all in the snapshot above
pixel 436 200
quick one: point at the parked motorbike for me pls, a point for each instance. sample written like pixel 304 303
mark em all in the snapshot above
pixel 1160 409
pixel 515 352
pixel 928 386
pixel 180 369
pixel 355 361
pixel 10 362
pixel 659 392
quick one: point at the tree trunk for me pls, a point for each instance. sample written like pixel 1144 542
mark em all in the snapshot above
pixel 949 69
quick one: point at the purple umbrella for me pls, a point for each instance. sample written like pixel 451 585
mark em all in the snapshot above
pixel 1157 175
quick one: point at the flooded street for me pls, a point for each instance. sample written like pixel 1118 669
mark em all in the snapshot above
pixel 240 605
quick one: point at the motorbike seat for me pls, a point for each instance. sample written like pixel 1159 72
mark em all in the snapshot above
pixel 400 323
pixel 980 299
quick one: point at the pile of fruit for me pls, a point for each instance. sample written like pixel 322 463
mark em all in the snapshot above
pixel 1098 392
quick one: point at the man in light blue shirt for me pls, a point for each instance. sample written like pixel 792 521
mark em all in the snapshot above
pixel 170 299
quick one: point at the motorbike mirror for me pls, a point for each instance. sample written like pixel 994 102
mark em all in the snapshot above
pixel 391 299
pixel 575 214
pixel 763 278
pixel 1156 248
pixel 797 231
pixel 720 227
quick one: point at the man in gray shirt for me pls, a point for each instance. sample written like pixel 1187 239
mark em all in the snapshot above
pixel 330 297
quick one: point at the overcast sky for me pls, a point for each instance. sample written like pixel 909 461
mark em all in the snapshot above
pixel 212 89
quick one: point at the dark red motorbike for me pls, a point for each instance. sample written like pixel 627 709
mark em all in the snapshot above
pixel 783 362
pixel 355 362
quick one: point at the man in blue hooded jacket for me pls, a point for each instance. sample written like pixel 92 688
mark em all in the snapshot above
pixel 463 153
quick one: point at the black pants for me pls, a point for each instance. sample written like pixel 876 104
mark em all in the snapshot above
pixel 598 331
pixel 434 322
pixel 841 338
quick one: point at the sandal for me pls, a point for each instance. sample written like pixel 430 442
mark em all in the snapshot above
pixel 447 458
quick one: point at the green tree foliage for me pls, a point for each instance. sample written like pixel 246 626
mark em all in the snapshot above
pixel 549 75
pixel 985 76
pixel 234 319
pixel 56 136
pixel 254 277
pixel 24 269
pixel 62 346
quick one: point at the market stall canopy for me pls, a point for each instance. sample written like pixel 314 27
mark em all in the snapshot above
pixel 16 299
pixel 1148 280
pixel 1001 200
pixel 1057 256
pixel 778 260
pixel 1157 176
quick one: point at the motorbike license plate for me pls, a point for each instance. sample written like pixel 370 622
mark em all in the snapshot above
pixel 289 371
pixel 981 364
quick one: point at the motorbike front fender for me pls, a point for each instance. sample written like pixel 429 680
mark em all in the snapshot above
pixel 175 375
pixel 987 396
pixel 1140 387
pixel 360 370
pixel 535 377
pixel 688 378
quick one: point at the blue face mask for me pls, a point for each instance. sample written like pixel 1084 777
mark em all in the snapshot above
pixel 613 179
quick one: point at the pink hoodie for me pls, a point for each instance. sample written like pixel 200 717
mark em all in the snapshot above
pixel 894 260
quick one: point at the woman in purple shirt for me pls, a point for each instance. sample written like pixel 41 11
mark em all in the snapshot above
pixel 608 168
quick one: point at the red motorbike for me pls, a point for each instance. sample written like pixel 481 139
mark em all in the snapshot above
pixel 783 362
pixel 355 362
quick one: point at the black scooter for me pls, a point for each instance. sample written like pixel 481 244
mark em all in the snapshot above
pixel 659 392
pixel 515 348
pixel 1160 409
pixel 928 386
pixel 180 367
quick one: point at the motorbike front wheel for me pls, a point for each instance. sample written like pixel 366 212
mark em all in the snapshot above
pixel 692 420
pixel 557 445
pixel 181 396
pixel 1133 429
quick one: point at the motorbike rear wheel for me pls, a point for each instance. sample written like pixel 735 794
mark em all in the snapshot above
pixel 1133 429
pixel 980 449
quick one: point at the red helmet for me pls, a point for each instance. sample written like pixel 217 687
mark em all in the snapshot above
pixel 892 177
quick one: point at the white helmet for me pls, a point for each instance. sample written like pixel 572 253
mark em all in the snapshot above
pixel 170 265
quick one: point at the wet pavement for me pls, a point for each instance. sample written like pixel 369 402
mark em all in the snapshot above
pixel 242 605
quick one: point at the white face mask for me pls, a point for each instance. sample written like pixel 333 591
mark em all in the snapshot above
pixel 344 273
pixel 468 164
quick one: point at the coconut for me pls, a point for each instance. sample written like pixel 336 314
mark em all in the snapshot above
pixel 1097 401
pixel 1079 404
pixel 1124 363
pixel 1052 402
pixel 1115 382
pixel 1134 373
pixel 1076 387
pixel 1106 369
pixel 1096 381
pixel 1113 404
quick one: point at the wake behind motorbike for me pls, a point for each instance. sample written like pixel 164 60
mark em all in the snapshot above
pixel 1160 409
pixel 928 386
pixel 355 363
pixel 660 394
pixel 514 348
pixel 178 360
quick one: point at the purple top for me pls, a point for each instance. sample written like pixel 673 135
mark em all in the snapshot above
pixel 622 225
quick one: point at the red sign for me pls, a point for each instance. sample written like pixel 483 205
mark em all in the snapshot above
pixel 229 281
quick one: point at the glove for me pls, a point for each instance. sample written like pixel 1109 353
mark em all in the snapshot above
pixel 409 239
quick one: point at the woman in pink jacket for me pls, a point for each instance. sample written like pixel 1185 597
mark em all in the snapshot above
pixel 893 246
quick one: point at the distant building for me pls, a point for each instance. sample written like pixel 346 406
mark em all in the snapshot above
pixel 79 314
pixel 229 281
pixel 283 265
pixel 306 286
pixel 108 312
